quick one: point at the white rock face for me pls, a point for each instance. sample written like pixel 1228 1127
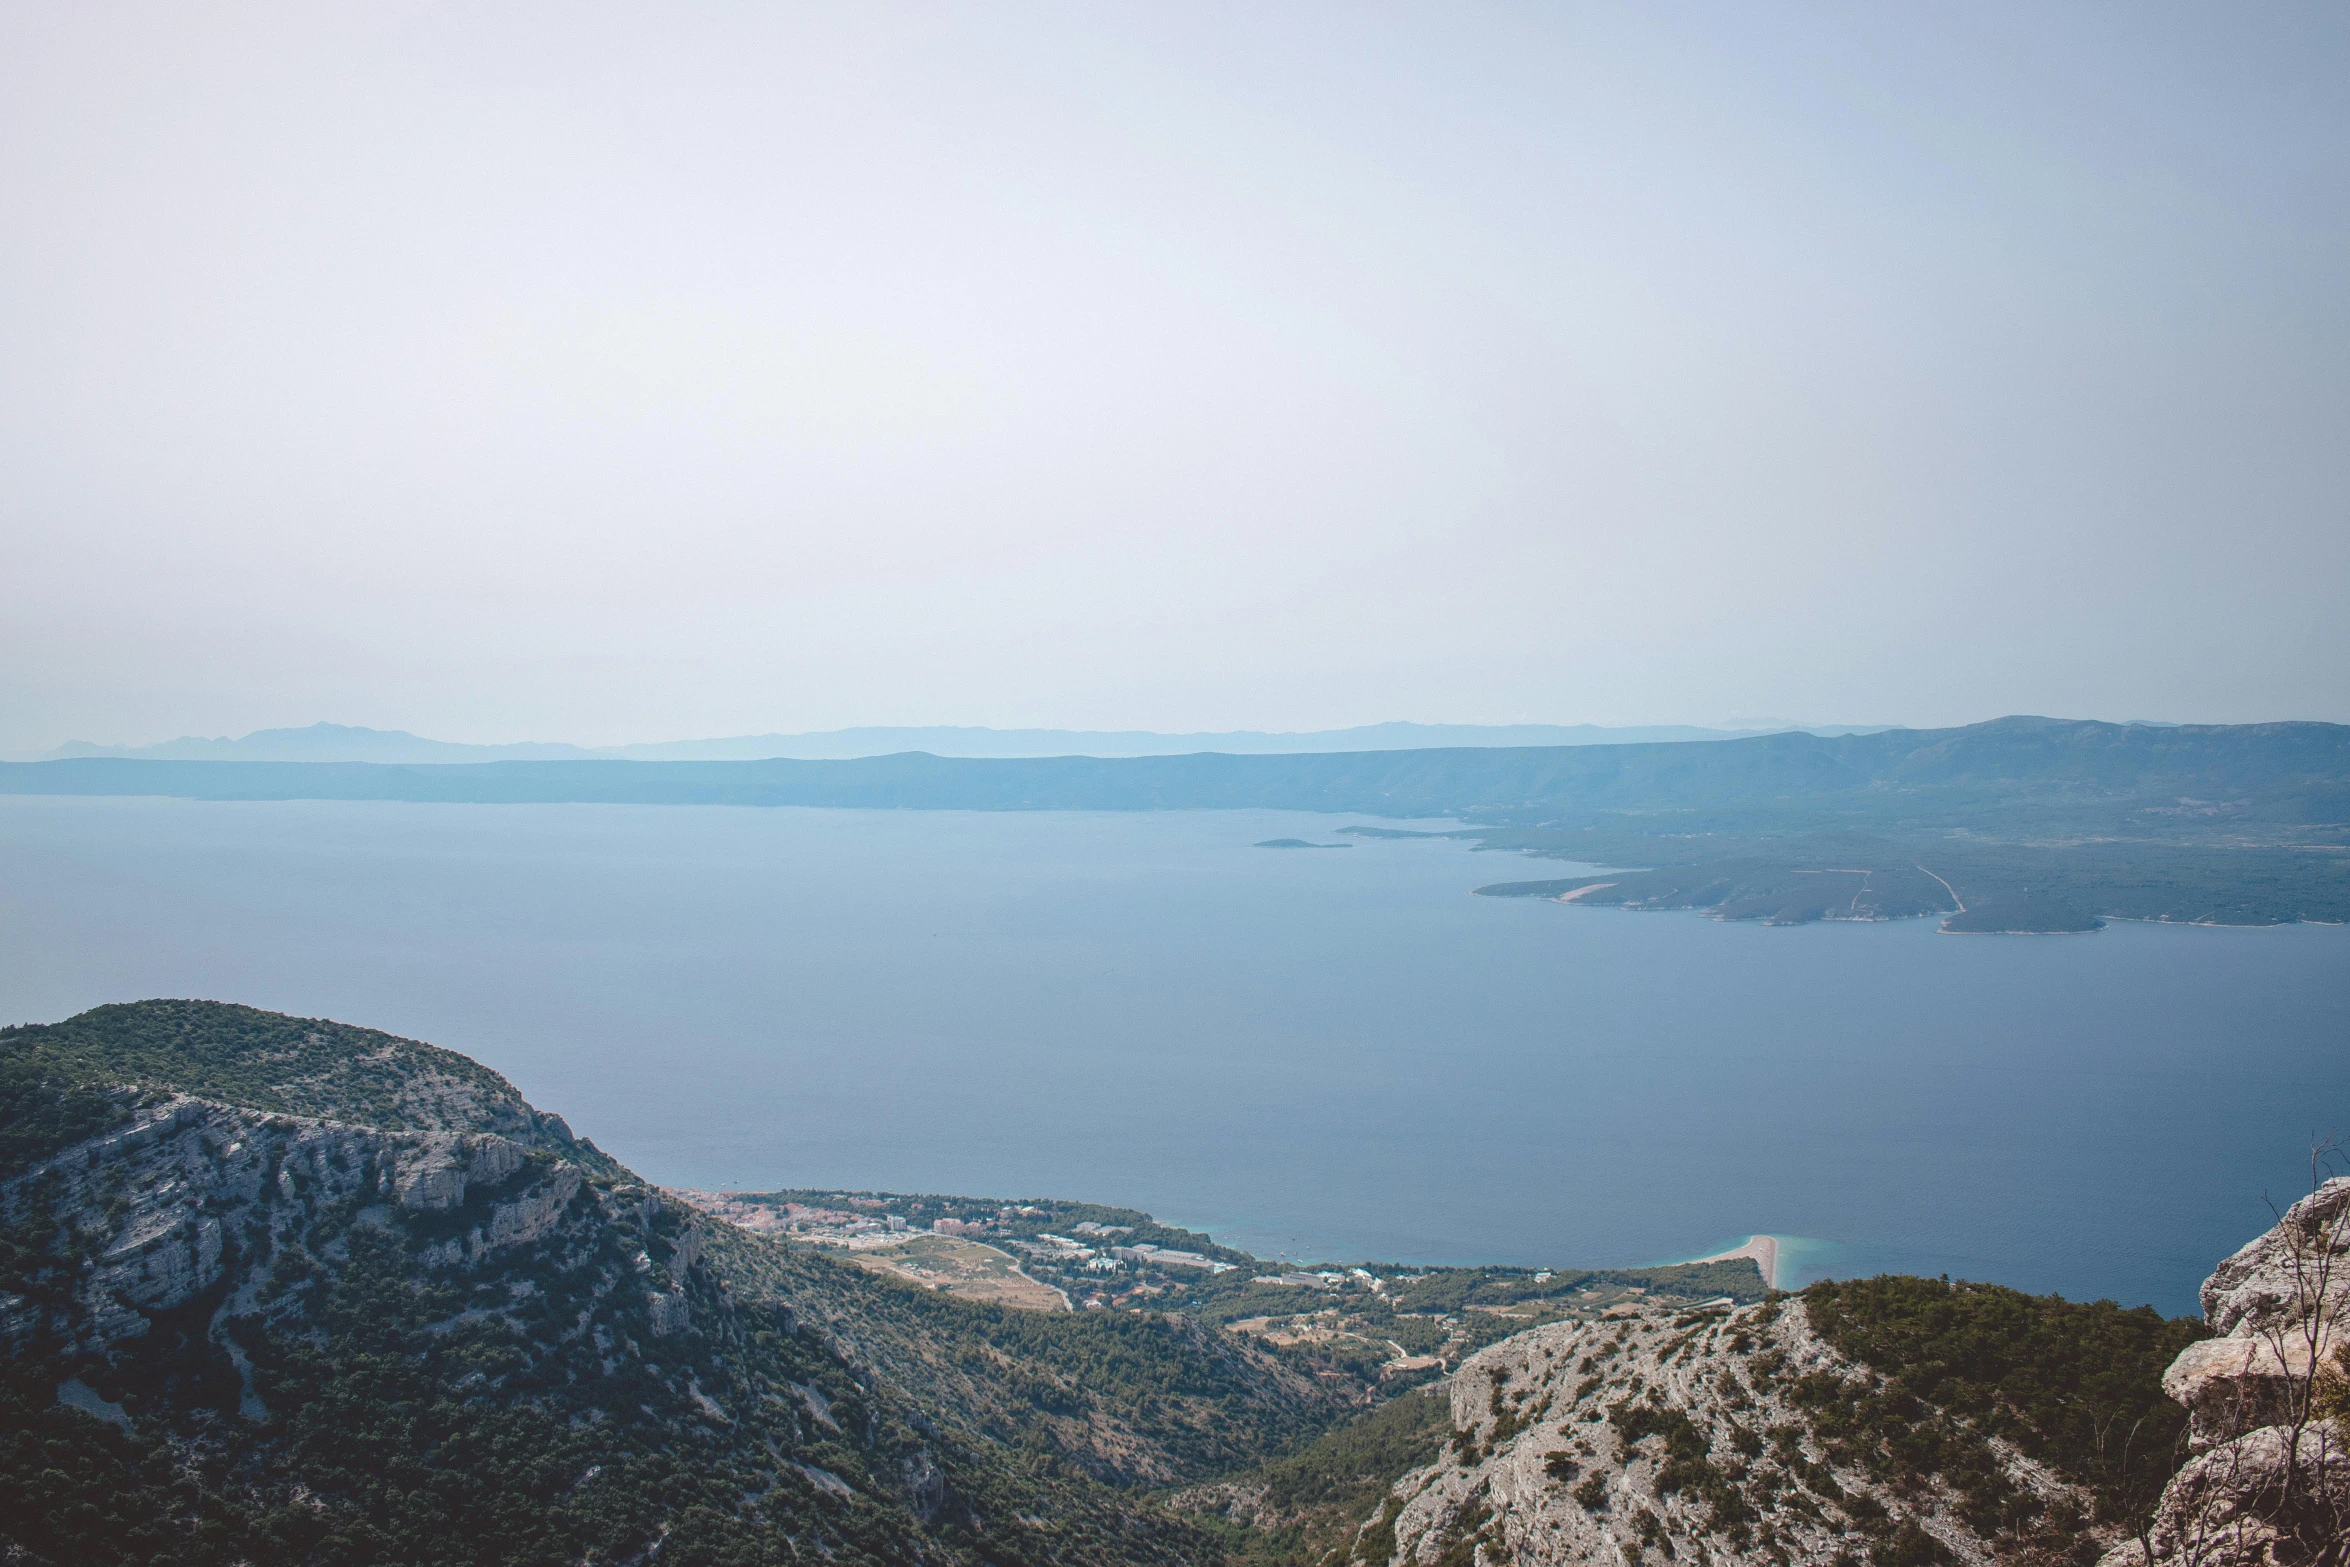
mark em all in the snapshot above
pixel 2269 1485
pixel 2273 1280
pixel 435 1169
pixel 2228 1508
pixel 2232 1385
pixel 686 1250
pixel 1540 1475
pixel 523 1221
pixel 164 1205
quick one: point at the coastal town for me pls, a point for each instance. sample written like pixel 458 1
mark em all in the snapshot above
pixel 1361 1320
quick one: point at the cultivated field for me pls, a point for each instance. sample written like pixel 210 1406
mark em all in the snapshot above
pixel 962 1267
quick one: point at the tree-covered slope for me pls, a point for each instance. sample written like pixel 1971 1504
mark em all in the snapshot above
pixel 274 1290
pixel 1127 1398
pixel 268 1061
pixel 2075 1385
pixel 1895 1422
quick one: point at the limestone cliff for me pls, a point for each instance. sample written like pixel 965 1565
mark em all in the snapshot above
pixel 2270 1480
pixel 190 1199
pixel 254 1290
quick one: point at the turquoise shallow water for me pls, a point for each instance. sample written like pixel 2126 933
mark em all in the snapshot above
pixel 1327 1054
pixel 1801 1258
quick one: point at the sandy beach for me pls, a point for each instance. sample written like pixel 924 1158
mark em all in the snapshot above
pixel 1762 1248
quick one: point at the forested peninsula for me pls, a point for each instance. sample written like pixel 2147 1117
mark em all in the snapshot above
pixel 2020 824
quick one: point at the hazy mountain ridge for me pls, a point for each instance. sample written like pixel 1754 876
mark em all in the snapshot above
pixel 325 742
pixel 2021 824
pixel 2288 772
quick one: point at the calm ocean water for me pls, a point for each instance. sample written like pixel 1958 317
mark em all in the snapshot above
pixel 1327 1054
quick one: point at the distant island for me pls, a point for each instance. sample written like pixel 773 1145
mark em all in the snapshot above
pixel 1299 843
pixel 355 743
pixel 2020 824
pixel 1776 892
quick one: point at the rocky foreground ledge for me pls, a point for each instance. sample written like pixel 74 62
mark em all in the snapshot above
pixel 2268 1422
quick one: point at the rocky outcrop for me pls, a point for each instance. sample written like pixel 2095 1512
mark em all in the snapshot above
pixel 164 1210
pixel 2268 1498
pixel 2270 1483
pixel 193 1254
pixel 527 1218
pixel 2296 1272
pixel 1688 1434
pixel 433 1172
pixel 2232 1385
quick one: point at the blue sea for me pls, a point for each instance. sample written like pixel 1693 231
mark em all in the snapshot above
pixel 1326 1054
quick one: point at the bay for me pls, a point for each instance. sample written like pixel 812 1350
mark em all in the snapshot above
pixel 1326 1054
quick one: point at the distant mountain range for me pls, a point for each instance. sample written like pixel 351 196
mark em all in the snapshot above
pixel 348 743
pixel 2064 774
pixel 326 743
pixel 2021 824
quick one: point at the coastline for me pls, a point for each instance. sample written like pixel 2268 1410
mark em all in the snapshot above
pixel 1764 1249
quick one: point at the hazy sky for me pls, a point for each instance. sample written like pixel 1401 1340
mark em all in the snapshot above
pixel 607 373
